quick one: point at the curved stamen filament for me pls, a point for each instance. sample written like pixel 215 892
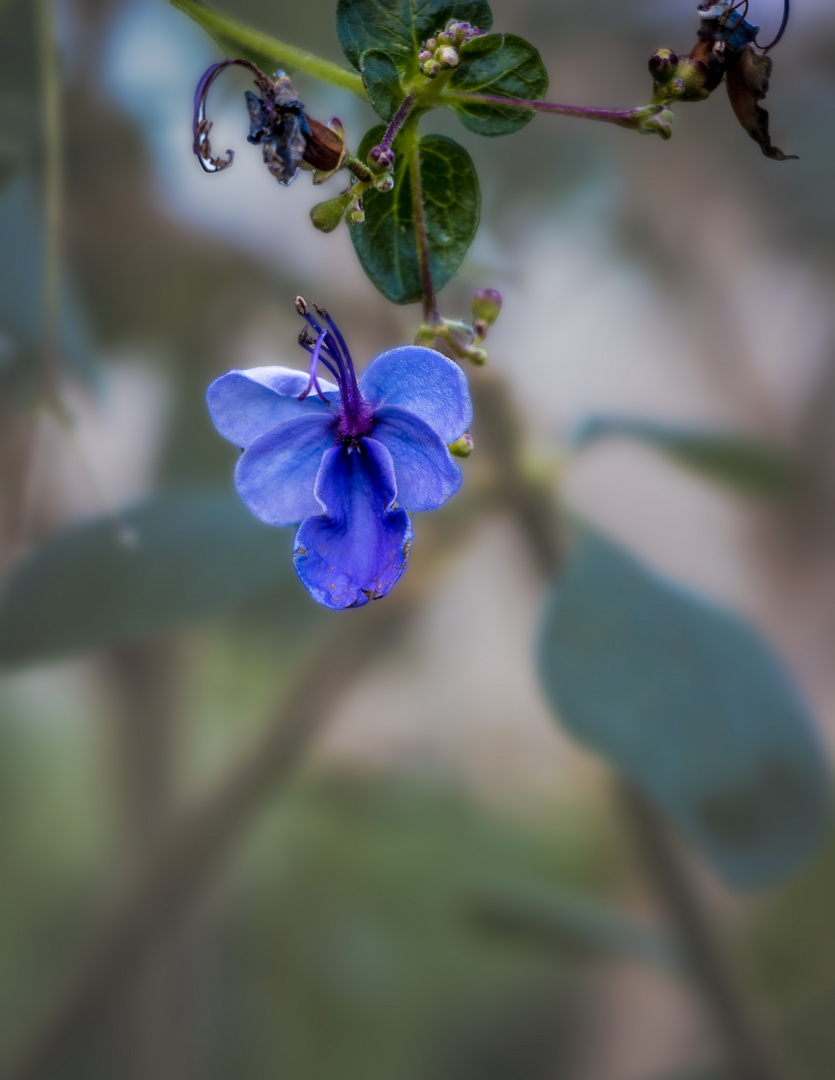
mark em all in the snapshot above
pixel 202 147
pixel 782 29
pixel 313 384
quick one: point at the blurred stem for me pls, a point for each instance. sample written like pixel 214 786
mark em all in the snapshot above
pixel 236 38
pixel 626 118
pixel 179 863
pixel 746 1053
pixel 533 504
pixel 53 183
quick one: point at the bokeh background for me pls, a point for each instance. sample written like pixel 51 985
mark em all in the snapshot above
pixel 434 881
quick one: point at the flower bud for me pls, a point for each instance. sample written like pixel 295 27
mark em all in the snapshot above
pixel 424 56
pixel 430 69
pixel 663 64
pixel 486 305
pixel 445 38
pixel 384 182
pixel 356 215
pixel 463 447
pixel 381 158
pixel 447 56
pixel 476 356
pixel 432 44
pixel 326 216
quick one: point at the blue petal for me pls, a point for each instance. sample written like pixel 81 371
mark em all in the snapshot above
pixel 425 474
pixel 422 382
pixel 276 475
pixel 245 405
pixel 357 549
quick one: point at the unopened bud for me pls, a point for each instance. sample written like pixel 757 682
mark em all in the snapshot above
pixel 424 56
pixel 662 64
pixel 463 447
pixel 430 69
pixel 356 216
pixel 447 56
pixel 384 182
pixel 476 356
pixel 381 158
pixel 445 38
pixel 326 216
pixel 432 44
pixel 486 305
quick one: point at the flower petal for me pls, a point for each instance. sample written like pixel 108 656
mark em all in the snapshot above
pixel 244 405
pixel 276 475
pixel 357 549
pixel 422 382
pixel 425 474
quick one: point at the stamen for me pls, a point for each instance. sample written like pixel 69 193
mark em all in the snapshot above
pixel 781 31
pixel 201 126
pixel 336 334
pixel 314 361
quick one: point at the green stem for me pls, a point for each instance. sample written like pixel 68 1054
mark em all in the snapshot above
pixel 236 39
pixel 409 137
pixel 628 118
pixel 52 196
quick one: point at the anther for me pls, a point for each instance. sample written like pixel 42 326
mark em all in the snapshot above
pixel 301 305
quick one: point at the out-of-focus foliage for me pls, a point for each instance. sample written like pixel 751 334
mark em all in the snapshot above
pixel 685 700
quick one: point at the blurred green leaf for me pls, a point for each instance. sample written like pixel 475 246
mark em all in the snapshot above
pixel 20 112
pixel 236 39
pixel 689 703
pixel 165 562
pixel 507 67
pixel 399 27
pixel 386 244
pixel 744 465
pixel 382 81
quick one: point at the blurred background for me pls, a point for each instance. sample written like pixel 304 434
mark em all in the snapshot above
pixel 426 878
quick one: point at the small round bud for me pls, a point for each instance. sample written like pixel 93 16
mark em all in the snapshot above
pixel 384 183
pixel 445 38
pixel 381 158
pixel 326 216
pixel 662 64
pixel 463 447
pixel 424 56
pixel 301 305
pixel 430 69
pixel 432 44
pixel 356 216
pixel 477 356
pixel 447 56
pixel 486 305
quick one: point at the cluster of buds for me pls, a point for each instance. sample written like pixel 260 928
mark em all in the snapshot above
pixel 464 340
pixel 440 53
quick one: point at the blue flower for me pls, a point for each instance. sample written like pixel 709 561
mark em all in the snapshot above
pixel 347 462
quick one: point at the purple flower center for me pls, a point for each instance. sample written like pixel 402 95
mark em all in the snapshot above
pixel 328 348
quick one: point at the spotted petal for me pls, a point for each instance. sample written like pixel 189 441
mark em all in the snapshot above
pixel 422 382
pixel 276 475
pixel 245 405
pixel 357 549
pixel 425 474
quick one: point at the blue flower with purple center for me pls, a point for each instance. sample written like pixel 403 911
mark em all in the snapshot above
pixel 347 460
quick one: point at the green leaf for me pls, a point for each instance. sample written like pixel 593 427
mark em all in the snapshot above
pixel 399 27
pixel 503 65
pixel 238 40
pixel 745 465
pixel 386 244
pixel 165 562
pixel 686 701
pixel 382 82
